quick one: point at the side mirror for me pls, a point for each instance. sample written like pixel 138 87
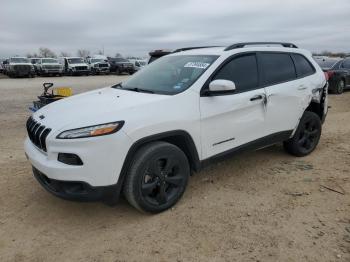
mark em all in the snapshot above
pixel 221 85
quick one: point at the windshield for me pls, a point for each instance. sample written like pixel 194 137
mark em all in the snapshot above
pixel 170 75
pixel 75 60
pixel 19 60
pixel 326 63
pixel 49 60
pixel 95 60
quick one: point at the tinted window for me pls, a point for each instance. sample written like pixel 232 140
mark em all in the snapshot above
pixel 243 71
pixel 277 68
pixel 302 65
pixel 346 63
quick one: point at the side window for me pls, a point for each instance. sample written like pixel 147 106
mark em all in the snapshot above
pixel 276 68
pixel 302 65
pixel 346 64
pixel 242 70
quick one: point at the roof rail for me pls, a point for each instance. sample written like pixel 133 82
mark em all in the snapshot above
pixel 193 47
pixel 241 45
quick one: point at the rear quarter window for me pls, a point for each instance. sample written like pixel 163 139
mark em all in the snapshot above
pixel 302 66
pixel 346 64
pixel 276 68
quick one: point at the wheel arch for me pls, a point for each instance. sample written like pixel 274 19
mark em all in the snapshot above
pixel 316 108
pixel 180 138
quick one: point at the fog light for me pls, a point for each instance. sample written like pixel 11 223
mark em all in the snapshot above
pixel 70 159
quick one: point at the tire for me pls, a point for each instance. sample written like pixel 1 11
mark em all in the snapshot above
pixel 306 136
pixel 339 89
pixel 157 177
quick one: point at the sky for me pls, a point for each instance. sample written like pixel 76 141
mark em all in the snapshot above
pixel 134 27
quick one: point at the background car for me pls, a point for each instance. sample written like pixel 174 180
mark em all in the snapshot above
pixel 155 54
pixel 48 66
pixel 121 65
pixel 18 66
pixel 74 66
pixel 98 65
pixel 138 63
pixel 2 65
pixel 337 71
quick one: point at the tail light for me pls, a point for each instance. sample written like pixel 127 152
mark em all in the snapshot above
pixel 328 74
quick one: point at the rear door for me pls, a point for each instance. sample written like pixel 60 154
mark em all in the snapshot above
pixel 233 119
pixel 346 67
pixel 285 92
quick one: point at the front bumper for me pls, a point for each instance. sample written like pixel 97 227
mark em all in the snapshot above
pixel 51 71
pixel 21 73
pixel 76 190
pixel 103 158
pixel 102 69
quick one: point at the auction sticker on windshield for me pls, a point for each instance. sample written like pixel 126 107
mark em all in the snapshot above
pixel 197 65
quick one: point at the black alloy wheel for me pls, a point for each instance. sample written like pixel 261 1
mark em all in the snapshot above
pixel 306 137
pixel 340 87
pixel 157 177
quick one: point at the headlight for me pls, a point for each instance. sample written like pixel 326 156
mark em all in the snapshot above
pixel 92 131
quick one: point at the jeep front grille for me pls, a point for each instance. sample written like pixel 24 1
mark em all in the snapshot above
pixel 37 133
pixel 103 65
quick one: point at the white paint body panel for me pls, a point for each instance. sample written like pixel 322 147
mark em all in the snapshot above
pixel 208 120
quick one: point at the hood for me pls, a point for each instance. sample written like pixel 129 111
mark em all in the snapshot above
pixel 93 108
pixel 79 64
pixel 97 63
pixel 50 64
pixel 12 63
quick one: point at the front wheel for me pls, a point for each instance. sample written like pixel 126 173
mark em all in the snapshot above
pixel 157 177
pixel 306 136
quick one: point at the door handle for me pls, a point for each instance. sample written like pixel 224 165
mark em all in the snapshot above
pixel 257 97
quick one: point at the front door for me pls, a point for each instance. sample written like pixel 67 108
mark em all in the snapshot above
pixel 231 120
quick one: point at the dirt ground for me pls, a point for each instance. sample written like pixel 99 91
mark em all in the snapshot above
pixel 258 206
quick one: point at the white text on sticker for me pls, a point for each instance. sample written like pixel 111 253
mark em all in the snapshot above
pixel 197 65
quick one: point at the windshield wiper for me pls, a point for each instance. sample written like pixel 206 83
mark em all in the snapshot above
pixel 119 85
pixel 135 89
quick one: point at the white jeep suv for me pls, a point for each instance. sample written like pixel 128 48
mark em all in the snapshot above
pixel 143 137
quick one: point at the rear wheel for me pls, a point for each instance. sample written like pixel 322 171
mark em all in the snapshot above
pixel 340 87
pixel 157 177
pixel 306 136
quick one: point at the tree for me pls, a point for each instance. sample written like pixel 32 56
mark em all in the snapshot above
pixel 64 54
pixel 83 53
pixel 29 55
pixel 46 52
pixel 330 53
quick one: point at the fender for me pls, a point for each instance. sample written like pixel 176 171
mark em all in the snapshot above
pixel 180 138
